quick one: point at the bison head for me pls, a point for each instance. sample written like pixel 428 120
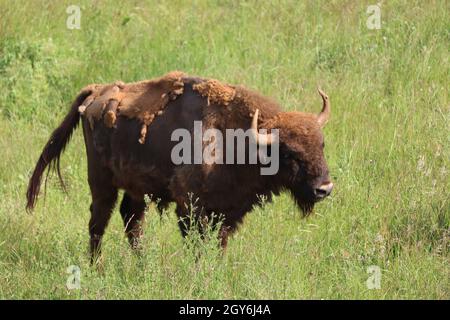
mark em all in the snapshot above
pixel 303 169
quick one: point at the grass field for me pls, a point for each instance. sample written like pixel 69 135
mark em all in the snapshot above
pixel 387 145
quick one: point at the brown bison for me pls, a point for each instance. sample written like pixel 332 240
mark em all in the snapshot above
pixel 128 131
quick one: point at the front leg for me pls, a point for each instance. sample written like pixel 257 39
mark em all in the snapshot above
pixel 201 222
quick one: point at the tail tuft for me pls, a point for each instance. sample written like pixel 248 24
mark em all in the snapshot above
pixel 50 156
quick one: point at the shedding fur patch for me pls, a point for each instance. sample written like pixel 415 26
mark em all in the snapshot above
pixel 143 100
pixel 146 100
pixel 215 91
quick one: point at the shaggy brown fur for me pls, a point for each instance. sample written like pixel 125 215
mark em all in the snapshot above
pixel 142 100
pixel 215 91
pixel 116 116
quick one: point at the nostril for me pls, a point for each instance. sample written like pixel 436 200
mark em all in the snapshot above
pixel 320 192
pixel 324 190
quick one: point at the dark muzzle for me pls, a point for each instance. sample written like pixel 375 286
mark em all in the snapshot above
pixel 323 191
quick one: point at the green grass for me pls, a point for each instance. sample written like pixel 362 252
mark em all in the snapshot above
pixel 387 145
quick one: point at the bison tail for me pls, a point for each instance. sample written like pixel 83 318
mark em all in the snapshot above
pixel 51 154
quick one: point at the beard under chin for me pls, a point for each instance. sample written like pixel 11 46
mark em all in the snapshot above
pixel 304 202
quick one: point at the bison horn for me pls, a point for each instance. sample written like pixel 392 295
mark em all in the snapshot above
pixel 260 138
pixel 324 115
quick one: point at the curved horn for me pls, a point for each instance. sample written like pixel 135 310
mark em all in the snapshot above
pixel 324 115
pixel 260 138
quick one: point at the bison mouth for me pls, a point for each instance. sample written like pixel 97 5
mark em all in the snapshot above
pixel 305 200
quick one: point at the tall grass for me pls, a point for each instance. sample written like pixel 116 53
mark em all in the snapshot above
pixel 387 145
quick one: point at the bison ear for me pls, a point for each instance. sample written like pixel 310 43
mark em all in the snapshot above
pixel 324 115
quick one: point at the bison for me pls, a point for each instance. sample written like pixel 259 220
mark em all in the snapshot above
pixel 128 132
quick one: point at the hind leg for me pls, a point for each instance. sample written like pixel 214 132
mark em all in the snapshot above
pixel 103 191
pixel 133 212
pixel 104 196
pixel 103 202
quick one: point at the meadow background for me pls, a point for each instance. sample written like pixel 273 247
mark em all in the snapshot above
pixel 387 145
